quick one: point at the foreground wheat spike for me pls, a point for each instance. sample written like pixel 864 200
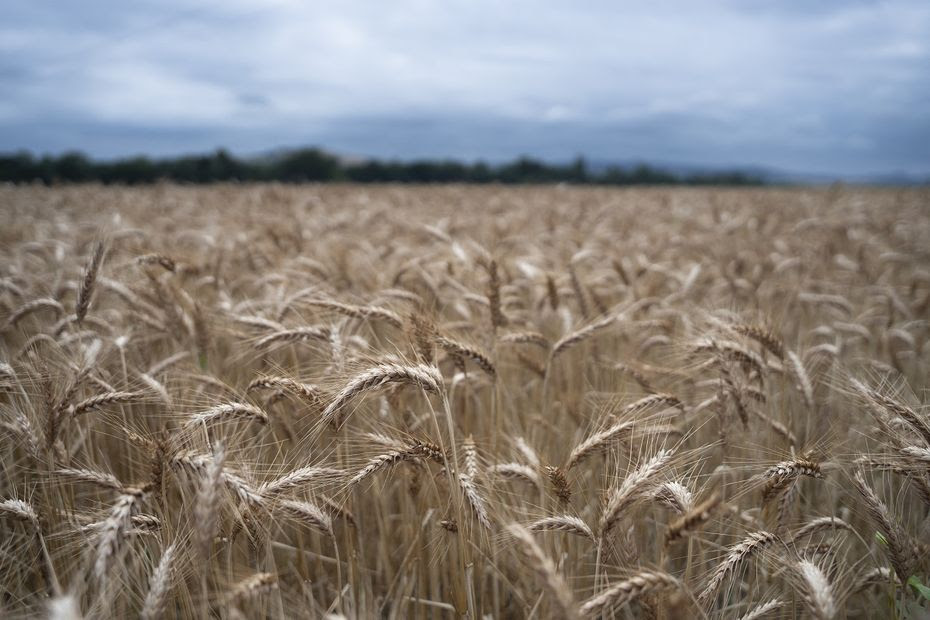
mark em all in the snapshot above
pixel 298 478
pixel 360 312
pixel 199 465
pixel 628 591
pixel 297 334
pixel 572 339
pixel 99 478
pixel 309 513
pixel 529 454
pixel 764 337
pixel 308 391
pixel 818 591
pixel 252 587
pixel 466 351
pixel 634 487
pixel 18 509
pixel 894 407
pixel 33 306
pixel 528 337
pixel 114 529
pixel 64 607
pixel 559 483
pixel 801 376
pixel 100 400
pixel 694 518
pixel 165 262
pixel 546 569
pixel 737 555
pixel 919 454
pixel 474 500
pixel 421 375
pixel 820 524
pixel 562 523
pixel 207 506
pixel 470 452
pixel 412 451
pixel 676 496
pixel 782 475
pixel 599 441
pixel 259 322
pixel 87 283
pixel 881 575
pixel 516 471
pixel 900 548
pixel 155 602
pixel 762 609
pixel 227 411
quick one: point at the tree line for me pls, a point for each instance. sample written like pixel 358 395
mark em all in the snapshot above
pixel 316 165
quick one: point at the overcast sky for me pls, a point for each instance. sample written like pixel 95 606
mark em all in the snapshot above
pixel 802 85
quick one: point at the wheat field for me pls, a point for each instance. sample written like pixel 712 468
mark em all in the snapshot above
pixel 432 402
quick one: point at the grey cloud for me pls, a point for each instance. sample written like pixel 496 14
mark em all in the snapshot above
pixel 841 87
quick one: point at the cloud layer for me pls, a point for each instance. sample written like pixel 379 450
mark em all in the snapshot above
pixel 827 87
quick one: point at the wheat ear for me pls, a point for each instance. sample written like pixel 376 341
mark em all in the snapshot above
pixel 421 375
pixel 546 569
pixel 627 591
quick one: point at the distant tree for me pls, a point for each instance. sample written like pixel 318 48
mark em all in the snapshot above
pixel 307 165
pixel 18 167
pixel 314 164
